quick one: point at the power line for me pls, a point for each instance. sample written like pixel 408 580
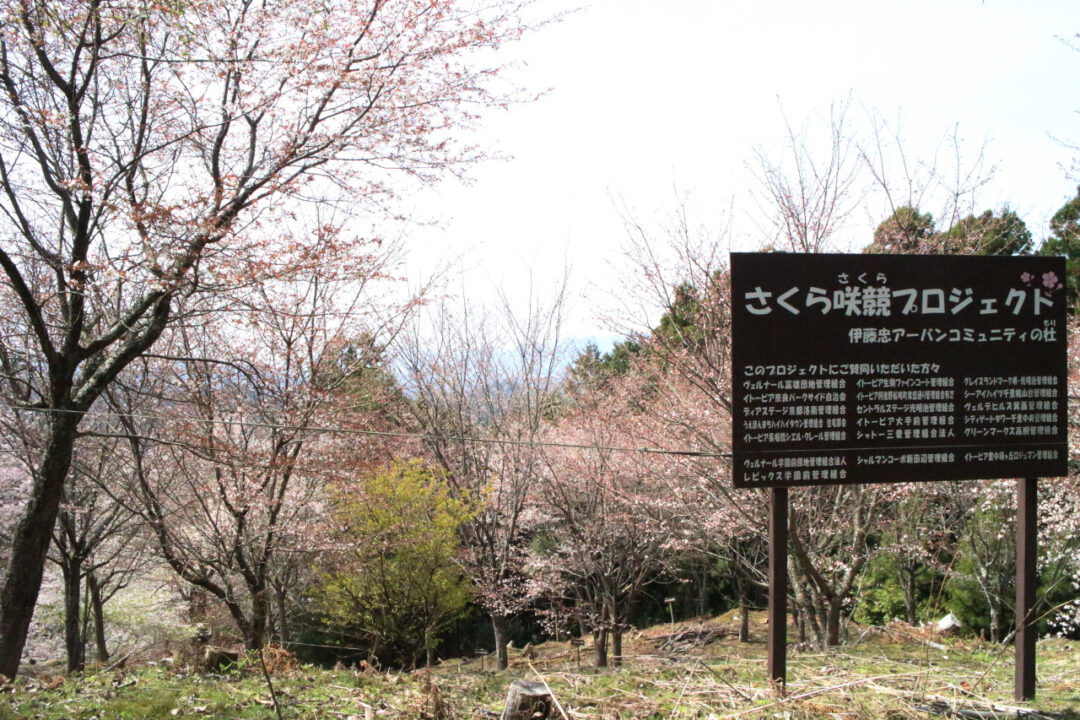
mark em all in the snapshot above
pixel 377 433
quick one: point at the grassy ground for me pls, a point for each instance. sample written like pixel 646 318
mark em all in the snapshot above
pixel 893 673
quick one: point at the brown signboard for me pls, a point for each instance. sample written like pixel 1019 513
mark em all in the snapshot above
pixel 897 368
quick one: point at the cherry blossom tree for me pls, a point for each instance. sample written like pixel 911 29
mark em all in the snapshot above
pixel 1059 507
pixel 612 527
pixel 480 389
pixel 918 538
pixel 684 272
pixel 1059 527
pixel 828 170
pixel 830 532
pixel 987 548
pixel 96 543
pixel 144 144
pixel 808 195
pixel 232 464
pixel 688 458
pixel 681 282
pixel 940 184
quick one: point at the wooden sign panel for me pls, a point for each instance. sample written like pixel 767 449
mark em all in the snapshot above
pixel 897 368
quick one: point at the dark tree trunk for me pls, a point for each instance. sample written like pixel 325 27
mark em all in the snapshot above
pixel 742 591
pixel 30 543
pixel 74 636
pixel 271 626
pixel 907 584
pixel 811 616
pixel 283 618
pixel 251 635
pixel 500 624
pixel 805 604
pixel 600 638
pixel 198 602
pixel 255 634
pixel 97 607
pixel 703 591
pixel 616 646
pixel 832 622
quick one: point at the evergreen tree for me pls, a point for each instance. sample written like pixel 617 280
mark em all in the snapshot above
pixel 1064 240
pixel 988 234
pixel 396 584
pixel 906 231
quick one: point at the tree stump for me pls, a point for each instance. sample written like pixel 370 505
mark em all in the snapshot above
pixel 527 700
pixel 217 659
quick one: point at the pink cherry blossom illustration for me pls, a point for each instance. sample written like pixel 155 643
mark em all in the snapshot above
pixel 1050 280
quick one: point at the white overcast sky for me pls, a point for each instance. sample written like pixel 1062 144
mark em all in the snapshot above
pixel 645 97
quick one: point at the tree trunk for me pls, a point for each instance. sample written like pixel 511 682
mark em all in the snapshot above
pixel 810 615
pixel 995 622
pixel 271 625
pixel 616 646
pixel 907 583
pixel 253 627
pixel 197 604
pixel 526 700
pixel 500 624
pixel 251 634
pixel 744 622
pixel 600 638
pixel 816 609
pixel 283 618
pixel 255 633
pixel 98 609
pixel 30 543
pixel 832 622
pixel 703 591
pixel 805 603
pixel 74 637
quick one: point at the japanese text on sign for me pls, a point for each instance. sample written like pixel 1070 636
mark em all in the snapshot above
pixel 878 368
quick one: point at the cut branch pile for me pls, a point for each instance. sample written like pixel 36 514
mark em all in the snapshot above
pixel 685 640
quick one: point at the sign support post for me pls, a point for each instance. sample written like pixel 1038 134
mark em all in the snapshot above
pixel 778 580
pixel 1026 581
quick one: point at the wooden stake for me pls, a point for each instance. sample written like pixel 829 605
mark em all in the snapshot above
pixel 1026 582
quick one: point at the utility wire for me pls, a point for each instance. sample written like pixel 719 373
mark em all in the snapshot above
pixel 377 433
